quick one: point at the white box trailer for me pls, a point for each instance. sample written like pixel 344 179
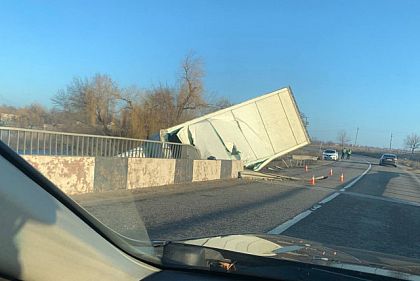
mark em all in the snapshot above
pixel 255 131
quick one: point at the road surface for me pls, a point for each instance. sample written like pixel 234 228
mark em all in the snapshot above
pixel 375 208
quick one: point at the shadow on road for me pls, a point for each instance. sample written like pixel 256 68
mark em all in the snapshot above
pixel 185 225
pixel 363 223
pixel 374 183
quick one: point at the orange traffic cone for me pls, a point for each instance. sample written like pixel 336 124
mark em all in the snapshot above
pixel 342 177
pixel 306 168
pixel 331 172
pixel 312 181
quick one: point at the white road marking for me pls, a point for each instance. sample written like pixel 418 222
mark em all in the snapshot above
pixel 284 226
pixel 329 198
pixel 359 177
pixel 279 229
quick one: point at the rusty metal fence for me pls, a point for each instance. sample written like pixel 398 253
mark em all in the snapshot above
pixel 39 142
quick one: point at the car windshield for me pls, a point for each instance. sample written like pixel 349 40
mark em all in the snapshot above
pixel 184 120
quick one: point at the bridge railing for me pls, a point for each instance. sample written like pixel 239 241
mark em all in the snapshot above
pixel 40 142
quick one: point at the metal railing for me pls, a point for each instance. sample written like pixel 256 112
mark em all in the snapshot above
pixel 39 142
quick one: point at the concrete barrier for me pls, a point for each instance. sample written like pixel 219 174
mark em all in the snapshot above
pixel 204 170
pixel 305 157
pixel 110 174
pixel 237 168
pixel 72 175
pixel 145 172
pixel 226 169
pixel 183 171
pixel 76 175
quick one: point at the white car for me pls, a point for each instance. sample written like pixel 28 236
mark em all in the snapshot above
pixel 330 154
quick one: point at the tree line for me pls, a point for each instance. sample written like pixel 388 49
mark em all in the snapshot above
pixel 411 141
pixel 98 105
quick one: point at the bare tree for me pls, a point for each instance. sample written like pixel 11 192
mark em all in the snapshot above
pixel 99 105
pixel 146 112
pixel 412 142
pixel 73 97
pixel 343 138
pixel 32 116
pixel 129 120
pixel 190 95
pixel 101 102
pixel 215 103
pixel 222 103
pixel 158 110
pixel 92 102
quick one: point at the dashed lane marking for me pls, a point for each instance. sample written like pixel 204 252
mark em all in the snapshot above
pixel 284 226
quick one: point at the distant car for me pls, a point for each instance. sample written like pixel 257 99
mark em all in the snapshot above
pixel 330 154
pixel 388 159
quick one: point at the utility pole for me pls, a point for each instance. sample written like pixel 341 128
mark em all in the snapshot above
pixel 357 133
pixel 390 142
pixel 320 148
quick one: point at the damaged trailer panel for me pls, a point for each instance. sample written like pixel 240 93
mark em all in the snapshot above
pixel 255 131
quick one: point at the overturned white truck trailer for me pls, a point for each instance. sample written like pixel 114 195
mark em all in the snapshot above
pixel 255 131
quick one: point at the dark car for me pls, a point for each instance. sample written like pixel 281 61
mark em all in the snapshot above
pixel 388 159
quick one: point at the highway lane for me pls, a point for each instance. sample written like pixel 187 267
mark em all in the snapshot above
pixel 191 210
pixel 381 213
pixel 378 213
pixel 208 209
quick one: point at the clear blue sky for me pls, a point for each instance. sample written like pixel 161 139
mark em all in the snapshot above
pixel 350 63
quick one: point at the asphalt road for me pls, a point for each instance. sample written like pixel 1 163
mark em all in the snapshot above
pixel 379 212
